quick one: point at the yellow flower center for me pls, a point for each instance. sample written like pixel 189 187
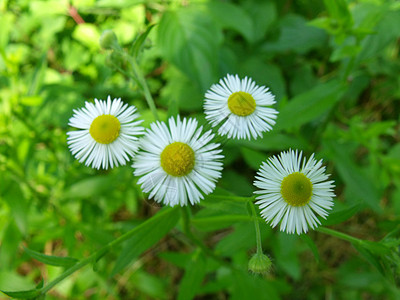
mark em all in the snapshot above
pixel 177 159
pixel 105 129
pixel 241 104
pixel 296 189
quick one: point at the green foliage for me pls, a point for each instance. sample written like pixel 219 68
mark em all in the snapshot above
pixel 333 67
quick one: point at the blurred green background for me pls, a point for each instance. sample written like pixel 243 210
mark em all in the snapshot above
pixel 334 68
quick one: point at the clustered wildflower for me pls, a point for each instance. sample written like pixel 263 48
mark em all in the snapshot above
pixel 178 163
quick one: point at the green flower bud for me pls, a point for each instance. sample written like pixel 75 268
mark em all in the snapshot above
pixel 108 40
pixel 260 264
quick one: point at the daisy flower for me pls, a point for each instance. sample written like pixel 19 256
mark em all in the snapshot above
pixel 178 163
pixel 293 192
pixel 107 135
pixel 240 106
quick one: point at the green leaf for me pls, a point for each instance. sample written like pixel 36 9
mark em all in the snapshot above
pixel 363 188
pixel 232 16
pixel 309 105
pixel 297 36
pixel 23 294
pixel 189 39
pixel 138 43
pixel 51 259
pixel 310 243
pixel 219 222
pixel 147 234
pixel 193 277
pixel 339 216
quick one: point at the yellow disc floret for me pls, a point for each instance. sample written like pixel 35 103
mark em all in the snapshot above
pixel 241 104
pixel 296 189
pixel 177 159
pixel 105 129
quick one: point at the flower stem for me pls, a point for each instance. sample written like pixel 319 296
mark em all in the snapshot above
pixel 339 235
pixel 138 77
pixel 257 228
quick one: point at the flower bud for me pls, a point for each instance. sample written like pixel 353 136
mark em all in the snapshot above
pixel 108 40
pixel 260 264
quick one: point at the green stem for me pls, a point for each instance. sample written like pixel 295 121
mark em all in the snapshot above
pixel 339 235
pixel 257 228
pixel 140 80
pixel 93 258
pixel 145 87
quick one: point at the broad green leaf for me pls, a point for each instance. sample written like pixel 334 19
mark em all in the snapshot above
pixel 51 259
pixel 193 277
pixel 232 16
pixel 310 105
pixel 297 36
pixel 356 181
pixel 189 39
pixel 263 14
pixel 147 234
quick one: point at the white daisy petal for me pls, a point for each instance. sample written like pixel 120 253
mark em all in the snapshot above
pixel 240 107
pixel 293 192
pixel 189 161
pixel 104 147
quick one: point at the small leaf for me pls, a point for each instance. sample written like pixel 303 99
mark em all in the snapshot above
pixel 23 294
pixel 342 215
pixel 138 43
pixel 51 260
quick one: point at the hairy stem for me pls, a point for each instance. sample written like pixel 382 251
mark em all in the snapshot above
pixel 257 228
